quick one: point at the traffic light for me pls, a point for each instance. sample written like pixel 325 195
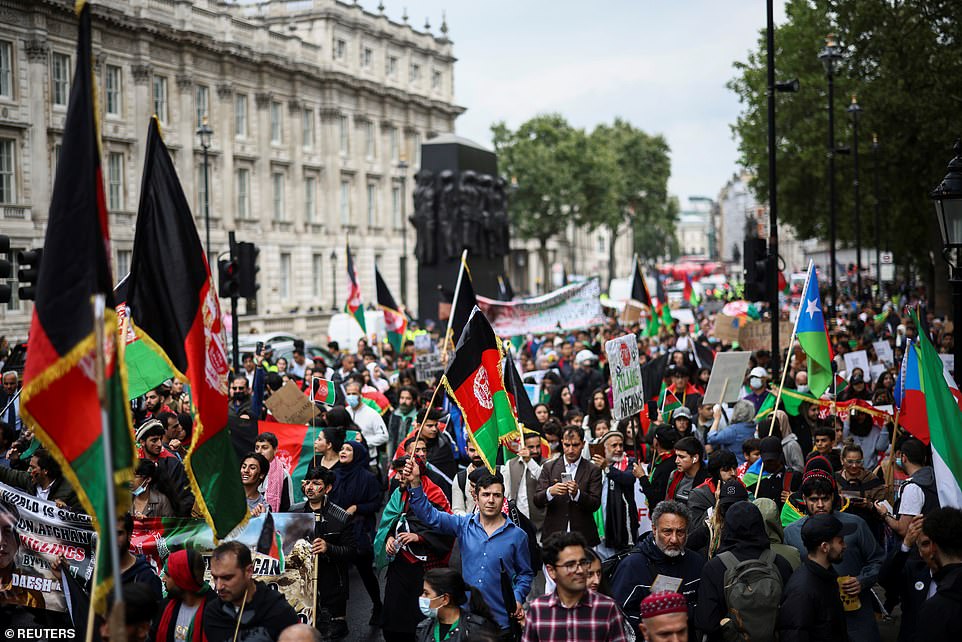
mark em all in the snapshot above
pixel 755 261
pixel 28 272
pixel 247 266
pixel 6 269
pixel 228 284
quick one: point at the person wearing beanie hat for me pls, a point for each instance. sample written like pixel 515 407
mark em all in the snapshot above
pixel 150 439
pixel 794 507
pixel 187 595
pixel 862 559
pixel 664 616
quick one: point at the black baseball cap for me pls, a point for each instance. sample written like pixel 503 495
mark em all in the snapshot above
pixel 667 435
pixel 770 449
pixel 732 490
pixel 822 528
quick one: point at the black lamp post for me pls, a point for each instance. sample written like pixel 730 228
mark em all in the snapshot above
pixel 856 110
pixel 333 258
pixel 830 55
pixel 205 133
pixel 403 168
pixel 878 216
pixel 948 208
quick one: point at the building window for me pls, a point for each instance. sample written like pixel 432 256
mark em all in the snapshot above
pixel 396 206
pixel 372 214
pixel 123 263
pixel 415 72
pixel 601 243
pixel 243 193
pixel 202 181
pixel 160 98
pixel 317 263
pixel 56 158
pixel 285 276
pixel 436 80
pixel 112 87
pixel 61 79
pixel 202 103
pixel 115 181
pixel 395 137
pixel 13 304
pixel 344 135
pixel 392 66
pixel 276 123
pixel 8 171
pixel 277 186
pixel 340 49
pixel 240 115
pixel 6 69
pixel 367 55
pixel 307 128
pixel 310 199
pixel 369 147
pixel 345 204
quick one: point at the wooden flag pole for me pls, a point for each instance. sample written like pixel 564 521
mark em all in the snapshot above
pixel 117 628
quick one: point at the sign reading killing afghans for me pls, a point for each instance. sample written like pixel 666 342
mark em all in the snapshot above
pixel 626 387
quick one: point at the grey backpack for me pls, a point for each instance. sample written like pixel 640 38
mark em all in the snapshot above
pixel 753 592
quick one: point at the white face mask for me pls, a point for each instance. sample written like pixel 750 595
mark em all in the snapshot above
pixel 424 603
pixel 755 383
pixel 803 388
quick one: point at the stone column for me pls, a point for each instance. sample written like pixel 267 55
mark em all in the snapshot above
pixel 41 149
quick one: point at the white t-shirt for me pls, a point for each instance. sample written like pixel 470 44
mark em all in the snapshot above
pixel 912 500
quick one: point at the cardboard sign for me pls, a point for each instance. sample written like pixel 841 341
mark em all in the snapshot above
pixel 726 328
pixel 427 360
pixel 727 377
pixel 626 388
pixel 884 352
pixel 290 405
pixel 857 359
pixel 757 335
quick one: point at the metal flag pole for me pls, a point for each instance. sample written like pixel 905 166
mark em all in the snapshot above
pixel 454 303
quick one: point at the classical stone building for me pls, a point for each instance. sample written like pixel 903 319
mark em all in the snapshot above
pixel 313 105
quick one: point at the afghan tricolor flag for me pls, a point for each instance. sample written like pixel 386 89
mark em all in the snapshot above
pixel 475 383
pixel 324 391
pixel 813 336
pixel 175 311
pixel 639 289
pixel 60 399
pixel 944 421
pixel 689 294
pixel 145 368
pixel 395 320
pixel 354 305
pixel 464 302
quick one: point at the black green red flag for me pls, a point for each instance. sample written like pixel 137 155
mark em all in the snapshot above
pixel 60 398
pixel 523 411
pixel 395 320
pixel 475 383
pixel 174 310
pixel 463 303
pixel 639 288
pixel 354 305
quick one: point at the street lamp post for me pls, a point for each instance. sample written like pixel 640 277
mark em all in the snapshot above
pixel 878 216
pixel 948 208
pixel 830 55
pixel 333 258
pixel 403 168
pixel 856 110
pixel 205 133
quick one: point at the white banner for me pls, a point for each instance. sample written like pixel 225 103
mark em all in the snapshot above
pixel 573 307
pixel 626 387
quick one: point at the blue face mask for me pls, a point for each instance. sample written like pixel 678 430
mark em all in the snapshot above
pixel 424 603
pixel 353 400
pixel 898 462
pixel 140 490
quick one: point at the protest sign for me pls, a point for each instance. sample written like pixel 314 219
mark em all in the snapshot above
pixel 684 316
pixel 948 363
pixel 626 387
pixel 34 533
pixel 727 377
pixel 884 352
pixel 291 572
pixel 757 335
pixel 726 328
pixel 857 359
pixel 572 307
pixel 427 360
pixel 290 405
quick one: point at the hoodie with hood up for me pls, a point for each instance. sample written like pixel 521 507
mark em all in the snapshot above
pixel 745 537
pixel 776 536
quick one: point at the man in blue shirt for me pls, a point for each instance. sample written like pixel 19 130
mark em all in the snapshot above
pixel 488 541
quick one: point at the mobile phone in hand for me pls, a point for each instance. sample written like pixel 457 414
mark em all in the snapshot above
pixel 566 477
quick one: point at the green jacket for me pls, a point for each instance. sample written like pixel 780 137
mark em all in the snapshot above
pixel 60 489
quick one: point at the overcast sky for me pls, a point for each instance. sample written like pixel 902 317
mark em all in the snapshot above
pixel 660 64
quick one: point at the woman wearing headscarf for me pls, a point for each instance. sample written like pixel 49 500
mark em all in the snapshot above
pixel 357 490
pixel 782 428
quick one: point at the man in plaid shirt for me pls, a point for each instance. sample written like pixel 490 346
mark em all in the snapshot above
pixel 571 613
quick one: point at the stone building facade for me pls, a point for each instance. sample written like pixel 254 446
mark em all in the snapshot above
pixel 314 104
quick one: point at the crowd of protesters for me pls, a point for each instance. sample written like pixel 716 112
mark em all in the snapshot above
pixel 686 521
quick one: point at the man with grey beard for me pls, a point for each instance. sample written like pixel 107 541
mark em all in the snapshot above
pixel 617 496
pixel 661 555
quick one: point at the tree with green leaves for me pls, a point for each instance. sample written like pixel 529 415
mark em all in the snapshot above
pixel 904 62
